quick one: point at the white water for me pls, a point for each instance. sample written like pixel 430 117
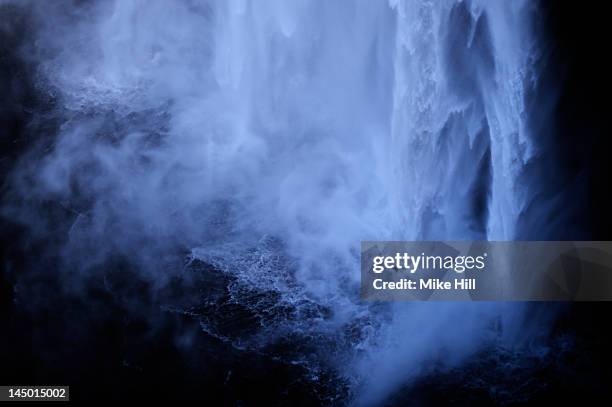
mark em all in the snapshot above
pixel 317 123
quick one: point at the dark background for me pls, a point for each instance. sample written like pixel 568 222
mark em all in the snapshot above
pixel 105 349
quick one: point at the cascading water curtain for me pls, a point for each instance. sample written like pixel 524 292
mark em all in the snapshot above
pixel 269 138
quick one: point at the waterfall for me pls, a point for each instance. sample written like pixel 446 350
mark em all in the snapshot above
pixel 459 123
pixel 271 137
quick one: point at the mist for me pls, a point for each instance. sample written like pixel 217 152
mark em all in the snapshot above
pixel 267 139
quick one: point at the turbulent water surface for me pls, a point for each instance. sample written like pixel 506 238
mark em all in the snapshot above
pixel 261 141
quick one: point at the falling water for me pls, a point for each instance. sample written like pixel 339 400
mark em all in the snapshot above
pixel 270 137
